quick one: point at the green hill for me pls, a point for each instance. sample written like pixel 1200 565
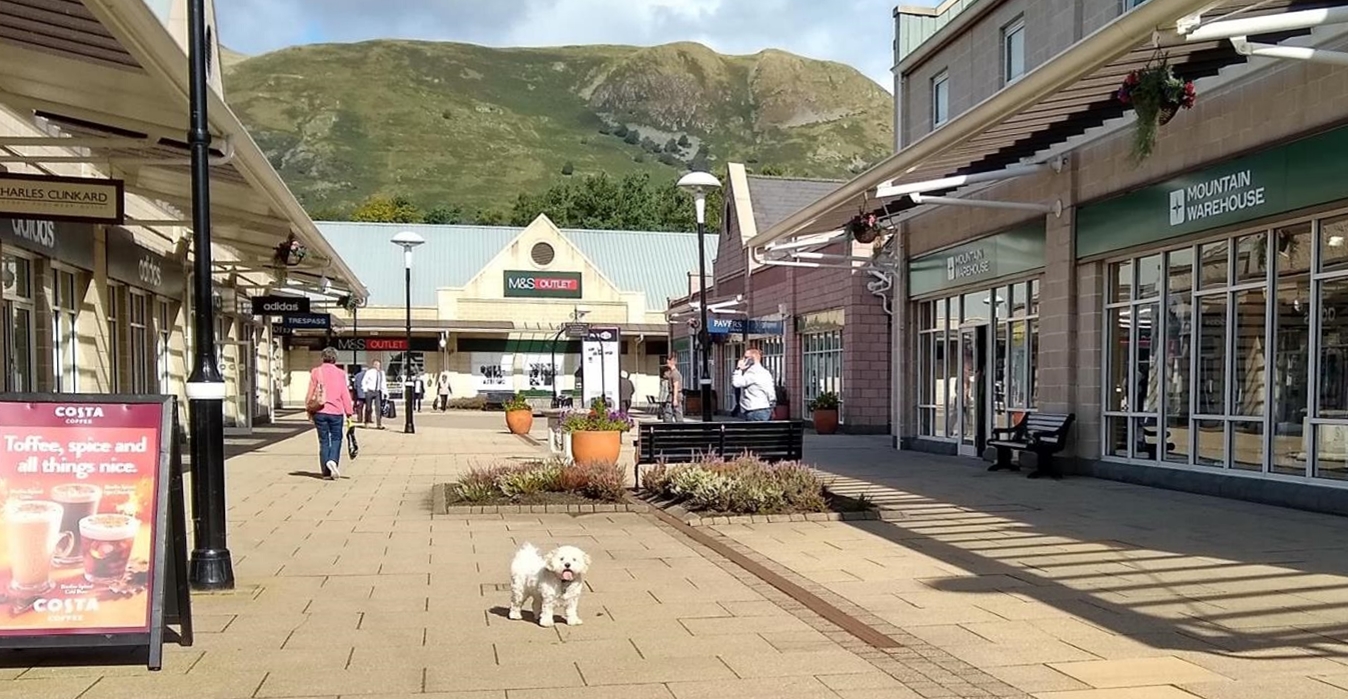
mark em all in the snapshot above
pixel 470 126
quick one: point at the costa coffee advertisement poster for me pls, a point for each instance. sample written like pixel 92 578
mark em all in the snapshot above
pixel 78 484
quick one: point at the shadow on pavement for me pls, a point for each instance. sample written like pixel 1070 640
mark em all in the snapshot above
pixel 1170 569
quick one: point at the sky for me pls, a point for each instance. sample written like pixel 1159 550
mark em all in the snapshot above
pixel 855 32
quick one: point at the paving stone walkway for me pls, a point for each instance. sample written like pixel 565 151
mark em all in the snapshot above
pixel 353 589
pixel 1076 589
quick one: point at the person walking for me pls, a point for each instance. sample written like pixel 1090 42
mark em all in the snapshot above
pixel 375 383
pixel 442 389
pixel 671 391
pixel 626 389
pixel 420 390
pixel 329 405
pixel 758 390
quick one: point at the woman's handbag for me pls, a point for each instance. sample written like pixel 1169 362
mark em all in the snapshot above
pixel 318 397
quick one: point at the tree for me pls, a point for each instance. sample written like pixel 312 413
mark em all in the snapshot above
pixel 772 170
pixel 568 169
pixel 633 137
pixel 635 202
pixel 385 209
pixel 620 130
pixel 671 145
pixel 490 217
pixel 683 141
pixel 446 215
pixel 639 158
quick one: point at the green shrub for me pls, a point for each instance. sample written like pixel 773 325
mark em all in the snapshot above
pixel 825 401
pixel 595 481
pixel 517 402
pixel 746 485
pixel 479 485
pixel 531 479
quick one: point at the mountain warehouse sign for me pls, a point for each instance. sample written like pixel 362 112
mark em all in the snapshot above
pixel 1298 175
pixel 542 285
pixel 1220 195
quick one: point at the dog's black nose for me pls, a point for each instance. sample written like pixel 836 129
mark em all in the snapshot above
pixel 566 565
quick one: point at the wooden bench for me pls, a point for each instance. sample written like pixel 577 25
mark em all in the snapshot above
pixel 1042 434
pixel 683 442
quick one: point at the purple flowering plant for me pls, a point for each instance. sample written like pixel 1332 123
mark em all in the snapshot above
pixel 599 418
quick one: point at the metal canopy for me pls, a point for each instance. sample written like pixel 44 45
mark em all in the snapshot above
pixel 107 75
pixel 1064 98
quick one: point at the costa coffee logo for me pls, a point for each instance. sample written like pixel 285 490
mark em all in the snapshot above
pixel 41 232
pixel 150 272
pixel 79 414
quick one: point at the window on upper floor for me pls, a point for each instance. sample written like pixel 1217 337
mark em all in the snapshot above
pixel 1131 4
pixel 940 99
pixel 1013 50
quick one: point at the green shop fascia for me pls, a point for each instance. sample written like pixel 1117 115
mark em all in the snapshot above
pixel 980 262
pixel 1305 173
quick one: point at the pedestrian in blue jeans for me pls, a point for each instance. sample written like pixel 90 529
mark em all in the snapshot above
pixel 329 404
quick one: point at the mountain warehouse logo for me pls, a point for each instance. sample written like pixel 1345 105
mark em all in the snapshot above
pixel 967 264
pixel 1220 195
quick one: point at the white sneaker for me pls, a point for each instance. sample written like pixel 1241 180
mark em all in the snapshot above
pixel 333 472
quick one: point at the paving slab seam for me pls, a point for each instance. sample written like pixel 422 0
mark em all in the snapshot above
pixel 894 652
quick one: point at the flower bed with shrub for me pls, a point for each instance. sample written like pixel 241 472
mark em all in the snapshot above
pixel 538 483
pixel 747 485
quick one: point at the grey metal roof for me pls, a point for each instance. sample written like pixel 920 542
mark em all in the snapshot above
pixel 775 198
pixel 654 262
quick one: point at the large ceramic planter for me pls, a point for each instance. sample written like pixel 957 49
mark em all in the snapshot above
pixel 826 421
pixel 596 447
pixel 520 421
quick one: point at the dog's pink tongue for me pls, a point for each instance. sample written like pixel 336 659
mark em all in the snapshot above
pixel 568 575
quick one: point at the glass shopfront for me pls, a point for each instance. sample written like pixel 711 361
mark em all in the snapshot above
pixel 977 362
pixel 1231 353
pixel 67 292
pixel 19 311
pixel 821 358
pixel 774 357
pixel 977 348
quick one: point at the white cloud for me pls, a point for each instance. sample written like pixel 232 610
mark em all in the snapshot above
pixel 856 32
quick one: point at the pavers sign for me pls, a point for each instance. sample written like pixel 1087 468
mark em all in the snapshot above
pixel 85 486
pixel 544 285
pixel 87 199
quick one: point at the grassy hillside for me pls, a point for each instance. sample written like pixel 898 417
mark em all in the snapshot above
pixel 457 124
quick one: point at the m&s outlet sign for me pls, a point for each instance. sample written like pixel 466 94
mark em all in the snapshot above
pixel 542 285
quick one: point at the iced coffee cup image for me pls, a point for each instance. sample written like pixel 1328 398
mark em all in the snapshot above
pixel 77 501
pixel 106 542
pixel 34 526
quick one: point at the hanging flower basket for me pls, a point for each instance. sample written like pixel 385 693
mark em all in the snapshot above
pixel 1156 96
pixel 290 253
pixel 864 228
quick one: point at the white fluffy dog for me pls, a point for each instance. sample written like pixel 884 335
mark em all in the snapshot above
pixel 552 579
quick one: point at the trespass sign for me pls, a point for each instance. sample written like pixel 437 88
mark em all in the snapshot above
pixel 542 285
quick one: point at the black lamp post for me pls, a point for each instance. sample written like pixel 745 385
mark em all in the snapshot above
pixel 408 240
pixel 700 183
pixel 211 566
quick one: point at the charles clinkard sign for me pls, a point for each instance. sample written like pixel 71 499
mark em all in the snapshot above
pixel 88 200
pixel 1298 175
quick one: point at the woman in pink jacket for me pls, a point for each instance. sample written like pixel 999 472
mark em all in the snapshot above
pixel 329 404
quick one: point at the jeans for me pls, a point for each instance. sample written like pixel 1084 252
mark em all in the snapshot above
pixel 329 438
pixel 374 402
pixel 760 415
pixel 671 413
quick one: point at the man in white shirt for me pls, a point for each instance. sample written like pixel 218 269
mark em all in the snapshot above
pixel 758 390
pixel 375 383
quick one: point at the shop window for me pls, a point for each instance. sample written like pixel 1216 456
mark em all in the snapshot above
pixel 821 362
pixel 65 342
pixel 165 331
pixel 139 359
pixel 946 408
pixel 1013 51
pixel 114 338
pixel 774 358
pixel 731 353
pixel 940 99
pixel 16 273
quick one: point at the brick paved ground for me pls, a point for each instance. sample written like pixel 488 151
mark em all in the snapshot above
pixel 1078 589
pixel 353 589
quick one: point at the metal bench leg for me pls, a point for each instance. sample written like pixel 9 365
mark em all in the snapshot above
pixel 1003 460
pixel 1047 467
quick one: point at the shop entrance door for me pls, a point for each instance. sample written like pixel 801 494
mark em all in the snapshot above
pixel 973 387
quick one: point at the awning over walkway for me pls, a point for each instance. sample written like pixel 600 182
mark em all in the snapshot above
pixel 1059 100
pixel 106 76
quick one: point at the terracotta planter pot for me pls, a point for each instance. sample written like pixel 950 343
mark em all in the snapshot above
pixel 596 447
pixel 826 421
pixel 781 412
pixel 692 404
pixel 519 421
